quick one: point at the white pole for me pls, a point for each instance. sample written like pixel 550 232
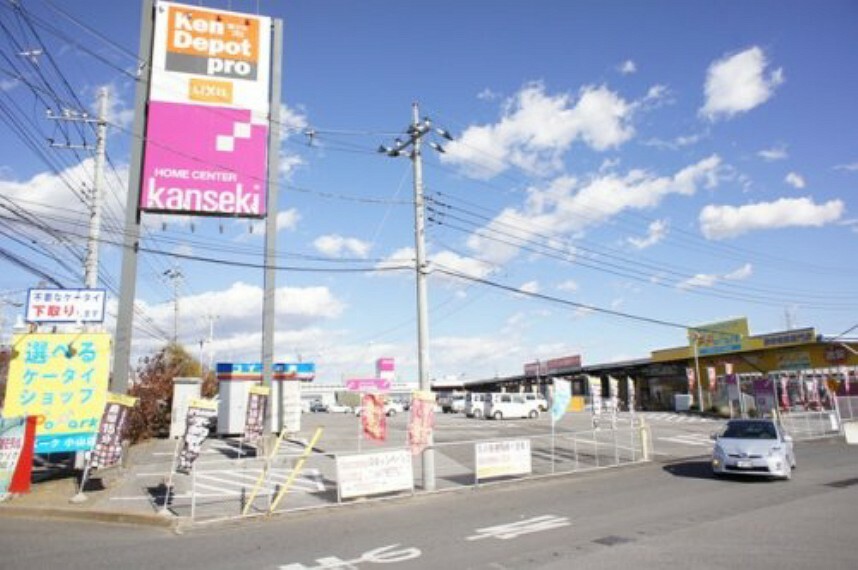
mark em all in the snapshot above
pixel 91 262
pixel 422 309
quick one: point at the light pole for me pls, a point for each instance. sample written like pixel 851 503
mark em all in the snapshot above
pixel 411 149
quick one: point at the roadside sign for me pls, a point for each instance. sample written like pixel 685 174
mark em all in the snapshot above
pixel 368 385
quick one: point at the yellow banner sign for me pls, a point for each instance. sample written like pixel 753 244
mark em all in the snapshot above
pixel 62 380
pixel 718 338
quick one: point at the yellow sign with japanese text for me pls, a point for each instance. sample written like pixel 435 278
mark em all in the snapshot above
pixel 62 380
pixel 718 338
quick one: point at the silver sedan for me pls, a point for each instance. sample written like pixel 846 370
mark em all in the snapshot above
pixel 757 447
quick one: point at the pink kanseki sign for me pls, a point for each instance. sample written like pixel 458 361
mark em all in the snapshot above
pixel 204 160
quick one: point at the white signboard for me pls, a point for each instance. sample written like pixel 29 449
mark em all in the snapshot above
pixel 65 305
pixel 374 473
pixel 291 406
pixel 502 458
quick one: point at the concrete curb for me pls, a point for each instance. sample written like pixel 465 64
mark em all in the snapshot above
pixel 154 520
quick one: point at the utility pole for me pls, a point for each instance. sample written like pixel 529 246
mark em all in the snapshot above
pixel 211 318
pixel 175 275
pixel 412 149
pixel 96 194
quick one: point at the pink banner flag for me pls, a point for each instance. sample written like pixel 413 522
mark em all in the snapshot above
pixel 713 378
pixel 422 421
pixel 373 420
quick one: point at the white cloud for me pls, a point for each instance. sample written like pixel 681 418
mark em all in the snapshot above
pixel 795 180
pixel 722 222
pixel 292 120
pixel 458 264
pixel 568 206
pixel 568 285
pixel 656 232
pixel 627 67
pixel 439 263
pixel 288 219
pixel 708 280
pixel 529 287
pixel 239 308
pixel 488 95
pixel 678 142
pixel 738 83
pixel 536 128
pixel 334 245
pixel 774 153
pixel 740 274
pixel 851 167
pixel 701 280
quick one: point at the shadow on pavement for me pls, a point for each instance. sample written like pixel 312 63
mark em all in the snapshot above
pixel 690 469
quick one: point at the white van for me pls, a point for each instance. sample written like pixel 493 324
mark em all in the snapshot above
pixel 475 404
pixel 541 402
pixel 511 405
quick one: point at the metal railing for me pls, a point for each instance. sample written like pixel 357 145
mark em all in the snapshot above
pixel 234 488
pixel 806 425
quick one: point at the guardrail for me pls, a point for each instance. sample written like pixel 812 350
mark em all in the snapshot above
pixel 227 489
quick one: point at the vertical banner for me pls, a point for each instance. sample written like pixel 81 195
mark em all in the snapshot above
pixel 712 376
pixel 784 382
pixel 692 379
pixel 733 392
pixel 257 403
pixel 595 387
pixel 614 393
pixel 108 444
pixel 560 401
pixel 422 421
pixel 200 415
pixel 211 76
pixel 61 379
pixel 630 384
pixel 764 395
pixel 373 420
pixel 13 445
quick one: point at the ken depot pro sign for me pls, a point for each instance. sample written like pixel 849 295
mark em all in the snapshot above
pixel 207 131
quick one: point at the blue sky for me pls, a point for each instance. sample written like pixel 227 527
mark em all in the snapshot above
pixel 675 163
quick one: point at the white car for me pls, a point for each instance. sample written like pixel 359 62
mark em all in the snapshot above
pixel 753 447
pixel 339 409
pixel 391 408
pixel 511 406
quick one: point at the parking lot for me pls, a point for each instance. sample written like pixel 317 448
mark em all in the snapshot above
pixel 224 478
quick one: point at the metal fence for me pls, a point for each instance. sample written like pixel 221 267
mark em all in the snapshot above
pixel 232 488
pixel 847 408
pixel 811 425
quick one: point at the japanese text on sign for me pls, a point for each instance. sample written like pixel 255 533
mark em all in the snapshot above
pixel 62 379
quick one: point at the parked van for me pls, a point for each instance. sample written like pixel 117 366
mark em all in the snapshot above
pixel 541 402
pixel 509 405
pixel 475 404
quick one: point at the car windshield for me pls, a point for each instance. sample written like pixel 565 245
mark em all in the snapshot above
pixel 750 430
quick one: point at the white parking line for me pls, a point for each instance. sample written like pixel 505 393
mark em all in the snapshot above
pixel 699 440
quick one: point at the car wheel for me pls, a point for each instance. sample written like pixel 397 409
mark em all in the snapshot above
pixel 533 414
pixel 391 413
pixel 498 416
